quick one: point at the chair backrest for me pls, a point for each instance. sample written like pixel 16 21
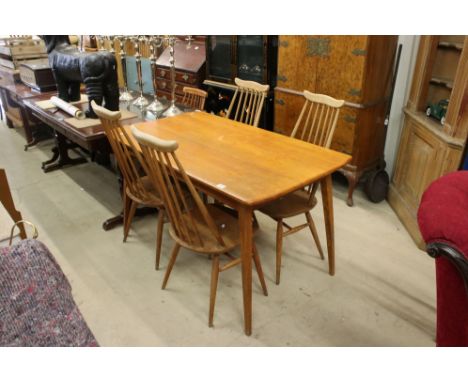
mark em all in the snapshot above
pixel 247 101
pixel 194 98
pixel 166 172
pixel 126 153
pixel 317 121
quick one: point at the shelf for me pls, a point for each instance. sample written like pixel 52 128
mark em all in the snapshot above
pixel 450 45
pixel 444 82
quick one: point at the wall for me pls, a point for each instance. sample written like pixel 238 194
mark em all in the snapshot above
pixel 402 87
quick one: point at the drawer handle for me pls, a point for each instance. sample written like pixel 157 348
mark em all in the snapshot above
pixel 280 102
pixel 185 77
pixel 162 73
pixel 354 92
pixel 163 84
pixel 349 118
pixel 282 78
pixel 284 44
pixel 359 52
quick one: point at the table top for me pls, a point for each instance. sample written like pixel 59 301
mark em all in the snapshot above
pixel 249 165
pixel 56 117
pixel 23 91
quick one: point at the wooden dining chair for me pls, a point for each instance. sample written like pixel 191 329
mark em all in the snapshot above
pixel 194 98
pixel 137 188
pixel 316 124
pixel 199 227
pixel 247 101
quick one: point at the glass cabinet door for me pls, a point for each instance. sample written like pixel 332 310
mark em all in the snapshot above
pixel 250 58
pixel 219 51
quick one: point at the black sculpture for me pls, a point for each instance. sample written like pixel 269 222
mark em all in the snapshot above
pixel 97 70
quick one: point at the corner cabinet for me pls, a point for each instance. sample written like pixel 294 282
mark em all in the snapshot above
pixel 434 134
pixel 357 69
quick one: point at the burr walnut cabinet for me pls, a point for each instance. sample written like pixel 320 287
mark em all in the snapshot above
pixel 428 148
pixel 357 69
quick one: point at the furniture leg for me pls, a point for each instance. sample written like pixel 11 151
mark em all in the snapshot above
pixel 159 234
pixel 258 266
pixel 7 200
pixel 213 287
pixel 279 249
pixel 30 140
pixel 313 230
pixel 327 200
pixel 245 228
pixel 55 155
pixel 127 203
pixel 175 252
pixel 63 158
pixel 129 218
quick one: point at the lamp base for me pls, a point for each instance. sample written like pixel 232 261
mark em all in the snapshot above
pixel 172 111
pixel 126 96
pixel 140 101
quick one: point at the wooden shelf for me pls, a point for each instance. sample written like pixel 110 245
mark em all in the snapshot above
pixel 450 45
pixel 444 82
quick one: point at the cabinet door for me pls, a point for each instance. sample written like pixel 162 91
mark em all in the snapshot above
pixel 297 70
pixel 220 58
pixel 344 136
pixel 419 162
pixel 251 58
pixel 340 69
pixel 287 109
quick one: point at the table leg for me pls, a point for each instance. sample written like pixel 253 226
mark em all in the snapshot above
pixel 61 155
pixel 327 200
pixel 30 141
pixel 245 227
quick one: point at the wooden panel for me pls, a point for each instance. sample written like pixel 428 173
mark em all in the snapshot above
pixel 381 54
pixel 370 127
pixel 340 73
pixel 422 164
pixel 457 113
pixel 296 69
pixel 287 109
pixel 343 139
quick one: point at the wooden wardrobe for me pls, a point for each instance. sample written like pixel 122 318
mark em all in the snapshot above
pixel 357 69
pixel 428 148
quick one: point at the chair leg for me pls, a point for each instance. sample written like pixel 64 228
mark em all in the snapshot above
pixel 175 252
pixel 279 245
pixel 127 202
pixel 159 236
pixel 313 230
pixel 128 221
pixel 213 288
pixel 258 266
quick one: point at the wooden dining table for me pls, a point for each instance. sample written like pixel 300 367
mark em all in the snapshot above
pixel 244 167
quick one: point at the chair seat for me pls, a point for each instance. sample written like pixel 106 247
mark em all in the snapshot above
pixel 152 197
pixel 226 221
pixel 292 204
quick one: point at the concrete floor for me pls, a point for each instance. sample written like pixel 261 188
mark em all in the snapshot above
pixel 383 293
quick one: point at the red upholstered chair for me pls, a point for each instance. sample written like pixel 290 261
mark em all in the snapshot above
pixel 443 221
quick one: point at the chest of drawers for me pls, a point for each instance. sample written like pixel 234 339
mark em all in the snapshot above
pixel 190 68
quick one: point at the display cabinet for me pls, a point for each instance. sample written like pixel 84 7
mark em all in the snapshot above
pixel 247 57
pixel 435 126
pixel 252 57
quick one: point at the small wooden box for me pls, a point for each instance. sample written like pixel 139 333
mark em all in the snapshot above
pixel 37 74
